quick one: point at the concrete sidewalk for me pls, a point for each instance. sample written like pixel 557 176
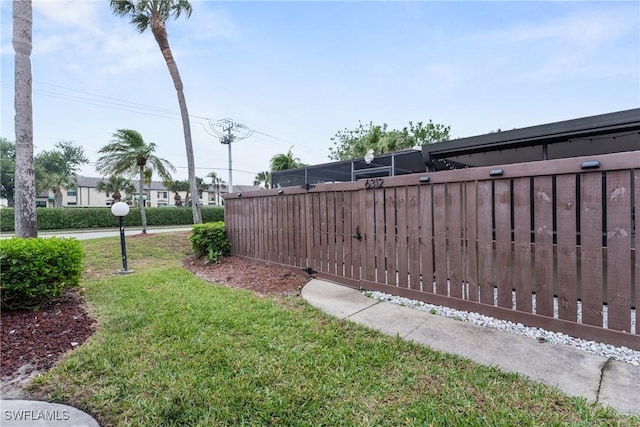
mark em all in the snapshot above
pixel 575 372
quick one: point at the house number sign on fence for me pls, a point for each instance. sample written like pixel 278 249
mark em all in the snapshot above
pixel 373 183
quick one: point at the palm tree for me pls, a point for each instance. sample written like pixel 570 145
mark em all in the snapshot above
pixel 25 179
pixel 263 177
pixel 128 153
pixel 58 169
pixel 154 14
pixel 217 182
pixel 281 162
pixel 115 186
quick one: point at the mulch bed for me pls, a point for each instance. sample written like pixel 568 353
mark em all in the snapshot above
pixel 33 341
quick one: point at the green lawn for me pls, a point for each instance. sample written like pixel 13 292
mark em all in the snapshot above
pixel 172 349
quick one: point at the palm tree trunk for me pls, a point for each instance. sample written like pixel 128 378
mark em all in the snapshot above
pixel 160 33
pixel 143 214
pixel 57 198
pixel 25 177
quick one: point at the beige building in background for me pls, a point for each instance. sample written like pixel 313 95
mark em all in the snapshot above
pixel 85 194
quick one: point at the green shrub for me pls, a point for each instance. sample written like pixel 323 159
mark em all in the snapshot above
pixel 101 217
pixel 210 240
pixel 33 271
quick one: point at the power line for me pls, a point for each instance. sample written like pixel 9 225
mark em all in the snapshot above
pixel 139 108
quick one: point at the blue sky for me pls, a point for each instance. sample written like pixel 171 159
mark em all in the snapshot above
pixel 298 72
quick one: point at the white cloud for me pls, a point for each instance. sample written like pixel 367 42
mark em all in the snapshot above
pixel 207 22
pixel 69 13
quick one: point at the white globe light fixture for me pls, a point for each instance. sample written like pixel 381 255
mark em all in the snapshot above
pixel 121 209
pixel 368 158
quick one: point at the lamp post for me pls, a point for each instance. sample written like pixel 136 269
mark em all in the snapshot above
pixel 121 209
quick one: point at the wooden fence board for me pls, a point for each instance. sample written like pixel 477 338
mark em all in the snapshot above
pixel 413 231
pixel 402 242
pixel 619 229
pixel 369 236
pixel 426 239
pixel 379 213
pixel 282 236
pixel 566 241
pixel 503 267
pixel 636 282
pixel 440 237
pixel 357 209
pixel 390 236
pixel 454 237
pixel 543 223
pixel 340 237
pixel 331 231
pixel 471 235
pixel 591 245
pixel 522 236
pixel 324 232
pixel 315 218
pixel 291 230
pixel 485 241
pixel 349 218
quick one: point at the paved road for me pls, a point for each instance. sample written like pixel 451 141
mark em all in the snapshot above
pixel 109 232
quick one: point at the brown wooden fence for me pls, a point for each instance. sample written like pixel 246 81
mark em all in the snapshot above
pixel 548 244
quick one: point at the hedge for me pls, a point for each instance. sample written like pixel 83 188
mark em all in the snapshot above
pixel 75 218
pixel 32 271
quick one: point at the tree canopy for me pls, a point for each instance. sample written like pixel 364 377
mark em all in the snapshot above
pixel 353 143
pixel 284 161
pixel 7 170
pixel 58 168
pixel 263 178
pixel 115 186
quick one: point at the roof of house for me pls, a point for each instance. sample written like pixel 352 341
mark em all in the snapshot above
pixel 601 134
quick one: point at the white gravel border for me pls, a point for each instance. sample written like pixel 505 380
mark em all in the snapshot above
pixel 622 354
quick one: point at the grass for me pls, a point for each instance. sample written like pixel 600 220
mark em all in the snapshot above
pixel 173 350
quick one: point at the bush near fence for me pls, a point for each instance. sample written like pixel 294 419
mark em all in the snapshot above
pixel 75 218
pixel 33 271
pixel 210 240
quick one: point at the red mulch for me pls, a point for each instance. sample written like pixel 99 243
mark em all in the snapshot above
pixel 33 341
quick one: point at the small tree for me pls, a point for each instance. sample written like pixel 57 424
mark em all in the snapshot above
pixel 281 162
pixel 128 153
pixel 263 178
pixel 58 168
pixel 7 170
pixel 217 182
pixel 115 186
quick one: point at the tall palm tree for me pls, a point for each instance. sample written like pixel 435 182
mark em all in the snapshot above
pixel 25 177
pixel 217 182
pixel 263 177
pixel 115 186
pixel 154 14
pixel 281 162
pixel 128 154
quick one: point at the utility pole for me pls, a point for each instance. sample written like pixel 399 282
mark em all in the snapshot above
pixel 223 130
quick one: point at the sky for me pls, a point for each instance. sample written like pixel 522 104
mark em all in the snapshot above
pixel 297 72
